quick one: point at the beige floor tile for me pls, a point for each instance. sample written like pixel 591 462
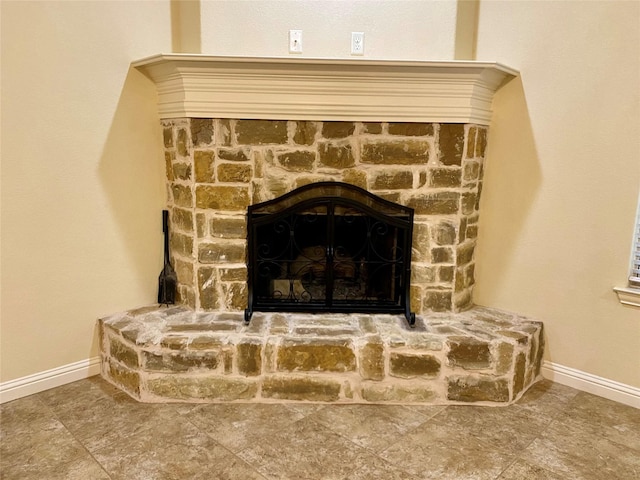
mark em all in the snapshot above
pixel 304 450
pixel 172 450
pixel 436 451
pixel 374 427
pixel 520 470
pixel 570 449
pixel 236 426
pixel 106 420
pixel 502 428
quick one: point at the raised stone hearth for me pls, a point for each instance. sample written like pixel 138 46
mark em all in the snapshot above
pixel 481 356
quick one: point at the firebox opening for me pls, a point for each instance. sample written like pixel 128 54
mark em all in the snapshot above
pixel 331 247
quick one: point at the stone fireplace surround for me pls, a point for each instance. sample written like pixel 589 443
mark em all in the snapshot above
pixel 411 132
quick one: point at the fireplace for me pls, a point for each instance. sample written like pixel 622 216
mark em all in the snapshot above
pixel 346 186
pixel 329 247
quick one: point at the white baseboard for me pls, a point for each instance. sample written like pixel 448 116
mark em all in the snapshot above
pixel 618 392
pixel 38 382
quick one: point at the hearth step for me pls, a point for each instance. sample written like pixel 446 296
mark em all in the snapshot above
pixel 173 354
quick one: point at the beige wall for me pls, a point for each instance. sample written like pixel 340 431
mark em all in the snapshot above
pixel 82 185
pixel 563 175
pixel 394 29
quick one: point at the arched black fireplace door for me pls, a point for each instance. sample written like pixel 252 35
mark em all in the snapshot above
pixel 329 247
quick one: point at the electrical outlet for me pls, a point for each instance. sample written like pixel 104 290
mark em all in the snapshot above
pixel 295 41
pixel 357 43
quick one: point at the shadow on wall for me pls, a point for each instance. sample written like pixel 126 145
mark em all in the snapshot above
pixel 511 183
pixel 132 175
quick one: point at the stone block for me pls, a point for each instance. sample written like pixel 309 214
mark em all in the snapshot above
pixel 395 152
pixel 316 355
pixel 420 251
pixel 174 342
pixel 477 389
pixel 464 253
pixel 224 131
pixel 422 274
pixel 186 295
pixel 518 374
pixel 224 198
pixel 181 244
pixel 412 365
pixel 437 300
pixel 201 225
pixel 335 155
pixel 203 162
pixel 445 274
pixel 202 387
pixel 181 220
pixel 168 165
pixel 234 173
pixel 126 379
pixel 182 142
pixel 503 358
pixel 410 129
pixel 208 288
pixel 371 360
pixel 444 233
pixel 301 388
pixel 235 295
pixel 468 353
pixel 180 362
pixel 390 180
pixel 201 131
pixel 232 155
pixel 481 142
pixel 228 227
pixel 371 127
pixel 337 129
pixel 441 255
pixel 182 196
pixel 471 142
pixel 471 171
pixel 184 271
pixel 205 342
pixel 298 161
pixel 261 132
pixel 167 137
pixel 305 133
pixel 249 358
pixel 181 171
pixel 468 204
pixel 221 252
pixel 436 203
pixel 123 353
pixel 355 177
pixel 445 178
pixel 404 393
pixel 451 143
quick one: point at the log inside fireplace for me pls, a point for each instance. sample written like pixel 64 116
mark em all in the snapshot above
pixel 329 247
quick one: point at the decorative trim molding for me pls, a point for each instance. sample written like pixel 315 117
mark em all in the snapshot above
pixel 38 382
pixel 628 296
pixel 618 392
pixel 274 88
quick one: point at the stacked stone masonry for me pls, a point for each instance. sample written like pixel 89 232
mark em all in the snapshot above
pixel 216 168
pixel 480 356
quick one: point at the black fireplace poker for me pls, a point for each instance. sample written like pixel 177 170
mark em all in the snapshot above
pixel 168 279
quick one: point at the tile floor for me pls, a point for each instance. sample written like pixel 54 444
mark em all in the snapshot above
pixel 89 430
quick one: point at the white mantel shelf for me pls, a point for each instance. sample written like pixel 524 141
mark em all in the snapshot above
pixel 289 88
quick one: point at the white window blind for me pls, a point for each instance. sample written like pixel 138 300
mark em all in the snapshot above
pixel 634 277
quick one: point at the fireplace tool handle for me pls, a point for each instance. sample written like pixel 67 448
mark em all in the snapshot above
pixel 168 280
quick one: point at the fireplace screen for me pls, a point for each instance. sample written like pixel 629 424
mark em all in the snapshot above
pixel 329 247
